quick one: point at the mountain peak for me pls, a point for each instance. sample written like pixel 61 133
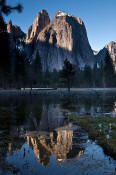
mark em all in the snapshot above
pixel 64 14
pixel 43 11
pixel 10 22
pixel 9 26
pixel 112 43
pixel 41 21
pixel 61 13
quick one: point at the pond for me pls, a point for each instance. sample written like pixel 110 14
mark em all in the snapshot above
pixel 37 137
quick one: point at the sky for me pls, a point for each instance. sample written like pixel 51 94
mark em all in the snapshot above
pixel 99 16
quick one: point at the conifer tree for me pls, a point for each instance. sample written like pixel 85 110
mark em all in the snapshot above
pixel 108 71
pixel 4 45
pixel 67 73
pixel 37 68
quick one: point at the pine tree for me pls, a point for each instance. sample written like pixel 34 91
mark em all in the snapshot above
pixel 55 78
pixel 95 76
pixel 101 75
pixel 37 68
pixel 4 45
pixel 67 73
pixel 7 9
pixel 47 78
pixel 20 69
pixel 87 76
pixel 108 71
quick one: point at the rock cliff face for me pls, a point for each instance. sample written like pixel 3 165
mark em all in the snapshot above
pixel 11 35
pixel 64 37
pixel 41 21
pixel 15 34
pixel 111 48
pixel 16 40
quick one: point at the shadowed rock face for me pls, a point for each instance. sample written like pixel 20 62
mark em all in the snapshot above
pixel 111 48
pixel 16 39
pixel 15 33
pixel 11 35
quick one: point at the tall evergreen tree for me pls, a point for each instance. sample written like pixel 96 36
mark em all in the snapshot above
pixel 95 76
pixel 55 78
pixel 108 71
pixel 37 68
pixel 87 76
pixel 20 68
pixel 4 46
pixel 7 9
pixel 47 78
pixel 67 73
pixel 101 75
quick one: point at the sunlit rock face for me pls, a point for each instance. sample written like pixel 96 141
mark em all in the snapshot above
pixel 40 22
pixel 63 144
pixel 111 48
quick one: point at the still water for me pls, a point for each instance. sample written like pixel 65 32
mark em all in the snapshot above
pixel 37 138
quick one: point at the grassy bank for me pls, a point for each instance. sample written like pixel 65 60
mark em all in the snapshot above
pixel 102 129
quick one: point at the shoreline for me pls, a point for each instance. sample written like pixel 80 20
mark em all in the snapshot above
pixel 46 91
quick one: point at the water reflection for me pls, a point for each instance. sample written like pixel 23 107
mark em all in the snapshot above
pixel 64 143
pixel 36 135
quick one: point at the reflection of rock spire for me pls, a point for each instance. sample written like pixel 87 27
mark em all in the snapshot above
pixel 58 143
pixel 41 153
pixel 63 144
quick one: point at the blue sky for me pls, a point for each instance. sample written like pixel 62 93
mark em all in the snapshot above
pixel 99 16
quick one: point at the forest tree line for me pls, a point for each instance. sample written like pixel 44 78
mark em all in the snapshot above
pixel 28 74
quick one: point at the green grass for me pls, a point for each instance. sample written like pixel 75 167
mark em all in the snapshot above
pixel 98 128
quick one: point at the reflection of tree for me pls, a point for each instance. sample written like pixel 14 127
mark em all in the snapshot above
pixel 61 143
pixel 89 104
pixel 68 102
